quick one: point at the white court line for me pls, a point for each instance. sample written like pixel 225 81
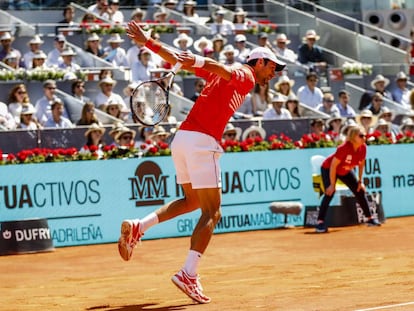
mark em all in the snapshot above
pixel 389 306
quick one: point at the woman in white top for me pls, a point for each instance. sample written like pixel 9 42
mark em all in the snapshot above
pixel 27 121
pixel 94 142
pixel 17 97
pixel 261 99
pixel 239 21
pixel 189 11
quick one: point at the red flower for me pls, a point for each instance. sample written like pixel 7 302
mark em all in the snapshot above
pixel 93 148
pixel 71 151
pixel 285 138
pixel 298 144
pixel 277 145
pixel 273 137
pixel 258 139
pixel 153 149
pixel 163 145
pixel 107 148
pixel 248 141
pixel 244 145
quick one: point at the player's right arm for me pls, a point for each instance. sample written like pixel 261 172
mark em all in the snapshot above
pixel 136 33
pixel 210 65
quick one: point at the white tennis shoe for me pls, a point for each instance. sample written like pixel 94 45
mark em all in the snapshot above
pixel 130 236
pixel 190 286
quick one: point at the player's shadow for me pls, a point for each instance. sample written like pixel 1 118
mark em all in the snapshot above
pixel 142 307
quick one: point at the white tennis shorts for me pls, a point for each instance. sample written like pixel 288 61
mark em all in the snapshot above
pixel 196 159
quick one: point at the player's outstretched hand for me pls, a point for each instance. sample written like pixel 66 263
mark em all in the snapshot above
pixel 136 33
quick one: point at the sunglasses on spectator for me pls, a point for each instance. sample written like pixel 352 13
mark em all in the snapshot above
pixel 51 88
pixel 21 92
pixel 362 135
pixel 231 134
pixel 126 137
pixel 313 80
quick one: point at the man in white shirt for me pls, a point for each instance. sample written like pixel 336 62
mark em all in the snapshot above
pixel 309 94
pixel 141 68
pixel 115 53
pixel 221 25
pixel 107 95
pixel 53 57
pixel 117 16
pixel 240 45
pixel 101 9
pixel 67 60
pixel 282 50
pixel 43 105
pixel 277 112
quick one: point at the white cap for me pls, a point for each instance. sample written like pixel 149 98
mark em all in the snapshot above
pixel 239 38
pixel 262 52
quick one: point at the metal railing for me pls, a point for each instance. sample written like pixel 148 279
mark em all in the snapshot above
pixel 347 41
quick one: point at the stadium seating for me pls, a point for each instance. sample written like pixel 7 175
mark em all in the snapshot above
pixel 341 42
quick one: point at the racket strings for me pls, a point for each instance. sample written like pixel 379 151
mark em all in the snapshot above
pixel 149 102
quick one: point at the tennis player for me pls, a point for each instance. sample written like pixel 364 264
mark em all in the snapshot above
pixel 340 165
pixel 196 149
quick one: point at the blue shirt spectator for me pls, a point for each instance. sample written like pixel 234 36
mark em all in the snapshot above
pixel 345 110
pixel 309 52
pixel 401 94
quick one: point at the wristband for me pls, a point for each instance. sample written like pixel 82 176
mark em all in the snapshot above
pixel 153 45
pixel 198 61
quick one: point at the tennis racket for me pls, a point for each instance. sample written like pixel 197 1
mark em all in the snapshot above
pixel 150 99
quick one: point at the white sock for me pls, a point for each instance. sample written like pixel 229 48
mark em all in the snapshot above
pixel 148 221
pixel 192 262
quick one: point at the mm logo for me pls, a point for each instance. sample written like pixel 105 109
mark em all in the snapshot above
pixel 148 186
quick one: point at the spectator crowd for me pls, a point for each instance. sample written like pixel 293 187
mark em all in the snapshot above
pixel 227 43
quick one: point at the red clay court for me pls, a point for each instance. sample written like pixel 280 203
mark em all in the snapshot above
pixel 351 268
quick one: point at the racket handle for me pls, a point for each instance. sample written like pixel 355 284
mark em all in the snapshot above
pixel 176 67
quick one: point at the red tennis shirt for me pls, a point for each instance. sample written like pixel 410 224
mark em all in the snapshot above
pixel 218 101
pixel 348 157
